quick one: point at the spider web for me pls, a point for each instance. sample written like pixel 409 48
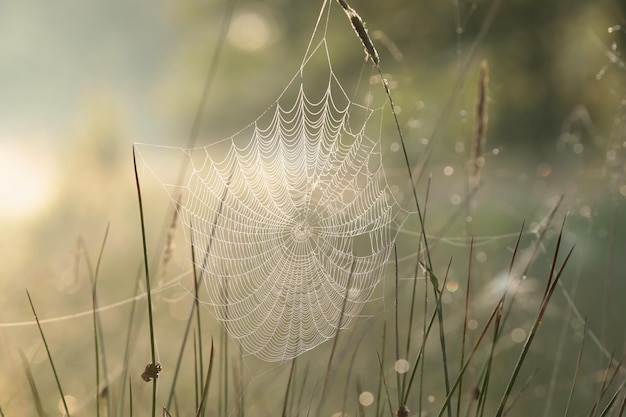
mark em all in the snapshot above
pixel 291 220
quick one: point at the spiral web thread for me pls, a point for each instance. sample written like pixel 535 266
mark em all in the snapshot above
pixel 294 223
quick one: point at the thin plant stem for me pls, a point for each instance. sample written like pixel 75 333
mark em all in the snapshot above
pixel 45 343
pixel 96 321
pixel 397 324
pixel 207 383
pixel 336 338
pixel 129 339
pixel 465 318
pixel 290 382
pixel 147 276
pixel 32 385
pixel 551 285
pixel 380 378
pixel 576 370
pixel 382 374
pixel 442 338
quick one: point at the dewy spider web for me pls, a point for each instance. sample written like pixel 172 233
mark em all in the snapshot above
pixel 294 224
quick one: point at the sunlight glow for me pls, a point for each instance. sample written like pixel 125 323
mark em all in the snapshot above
pixel 26 182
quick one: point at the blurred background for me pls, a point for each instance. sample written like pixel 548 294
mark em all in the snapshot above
pixel 81 81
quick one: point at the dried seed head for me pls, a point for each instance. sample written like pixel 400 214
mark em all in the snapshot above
pixel 359 28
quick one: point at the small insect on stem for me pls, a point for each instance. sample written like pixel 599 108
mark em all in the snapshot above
pixel 359 27
pixel 403 411
pixel 151 371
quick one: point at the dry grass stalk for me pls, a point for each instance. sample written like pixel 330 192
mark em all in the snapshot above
pixel 477 160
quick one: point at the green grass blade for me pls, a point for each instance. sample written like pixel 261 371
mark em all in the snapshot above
pixel 147 276
pixel 349 376
pixel 336 338
pixel 129 341
pixel 379 391
pixel 181 352
pixel 33 387
pixel 551 285
pixel 382 375
pixel 419 359
pixel 576 371
pixel 207 383
pixel 612 400
pixel 397 324
pixel 486 378
pixel 442 337
pixel 54 371
pixel 130 396
pixel 465 318
pixel 289 387
pixel 97 327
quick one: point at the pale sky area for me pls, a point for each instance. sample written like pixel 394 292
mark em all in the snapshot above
pixel 51 55
pixel 56 56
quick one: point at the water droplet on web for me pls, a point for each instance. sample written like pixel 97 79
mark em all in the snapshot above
pixel 448 171
pixel 394 147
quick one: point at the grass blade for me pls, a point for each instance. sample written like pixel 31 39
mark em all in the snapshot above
pixel 465 318
pixel 289 387
pixel 54 371
pixel 336 338
pixel 147 276
pixel 33 386
pixel 550 286
pixel 207 383
pixel 577 370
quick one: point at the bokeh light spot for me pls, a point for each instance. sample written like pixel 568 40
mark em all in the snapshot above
pixel 452 286
pixel 366 398
pixel 518 335
pixel 402 366
pixel 250 31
